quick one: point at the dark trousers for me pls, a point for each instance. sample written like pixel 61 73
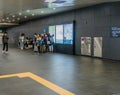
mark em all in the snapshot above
pixel 39 49
pixel 47 48
pixel 5 46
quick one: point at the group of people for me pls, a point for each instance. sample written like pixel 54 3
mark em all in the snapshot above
pixel 41 42
pixel 25 42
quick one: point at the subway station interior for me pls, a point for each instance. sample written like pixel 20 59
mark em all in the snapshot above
pixel 85 54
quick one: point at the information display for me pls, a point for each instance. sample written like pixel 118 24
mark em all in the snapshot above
pixel 68 33
pixel 52 31
pixel 115 32
pixel 44 30
pixel 59 34
pixel 1 31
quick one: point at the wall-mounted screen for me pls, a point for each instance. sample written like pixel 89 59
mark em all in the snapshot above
pixel 68 33
pixel 1 31
pixel 59 34
pixel 52 31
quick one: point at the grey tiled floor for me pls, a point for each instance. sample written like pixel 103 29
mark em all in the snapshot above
pixel 80 75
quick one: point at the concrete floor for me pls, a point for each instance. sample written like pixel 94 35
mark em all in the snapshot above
pixel 79 75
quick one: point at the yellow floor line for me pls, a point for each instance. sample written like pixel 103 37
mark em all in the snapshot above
pixel 40 80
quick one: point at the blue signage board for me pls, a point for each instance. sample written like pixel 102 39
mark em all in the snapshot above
pixel 115 32
pixel 44 30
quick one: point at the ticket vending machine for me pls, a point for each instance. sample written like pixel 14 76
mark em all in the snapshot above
pixel 86 46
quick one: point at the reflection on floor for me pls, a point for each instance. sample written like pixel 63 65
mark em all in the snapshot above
pixel 80 75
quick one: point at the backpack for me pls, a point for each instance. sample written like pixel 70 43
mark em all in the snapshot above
pixel 40 42
pixel 34 39
pixel 51 39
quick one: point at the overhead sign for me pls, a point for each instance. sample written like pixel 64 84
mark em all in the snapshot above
pixel 115 32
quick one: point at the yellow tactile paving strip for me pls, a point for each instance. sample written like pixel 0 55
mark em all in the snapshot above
pixel 40 80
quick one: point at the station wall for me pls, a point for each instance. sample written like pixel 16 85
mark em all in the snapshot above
pixel 92 21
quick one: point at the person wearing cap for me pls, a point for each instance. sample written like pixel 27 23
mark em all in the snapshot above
pixel 5 39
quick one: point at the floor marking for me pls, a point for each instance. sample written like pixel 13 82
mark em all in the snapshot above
pixel 40 80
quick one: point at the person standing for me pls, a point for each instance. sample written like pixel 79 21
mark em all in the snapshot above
pixel 21 40
pixel 38 42
pixel 51 46
pixel 5 39
pixel 34 40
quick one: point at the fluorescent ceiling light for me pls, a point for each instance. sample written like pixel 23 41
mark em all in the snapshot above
pixel 20 13
pixel 54 8
pixel 50 1
pixel 42 11
pixel 25 16
pixel 61 3
pixel 9 24
pixel 28 11
pixel 33 14
pixel 13 16
pixel 7 18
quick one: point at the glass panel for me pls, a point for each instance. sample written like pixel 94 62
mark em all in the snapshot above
pixel 59 34
pixel 68 33
pixel 52 31
pixel 1 31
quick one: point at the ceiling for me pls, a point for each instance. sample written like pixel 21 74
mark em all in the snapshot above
pixel 13 12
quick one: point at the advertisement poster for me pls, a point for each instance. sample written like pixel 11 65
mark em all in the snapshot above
pixel 44 30
pixel 59 34
pixel 68 33
pixel 52 31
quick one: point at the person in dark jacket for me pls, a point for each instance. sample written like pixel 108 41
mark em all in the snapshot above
pixel 5 39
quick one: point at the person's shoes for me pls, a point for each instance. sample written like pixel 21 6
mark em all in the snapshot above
pixel 3 51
